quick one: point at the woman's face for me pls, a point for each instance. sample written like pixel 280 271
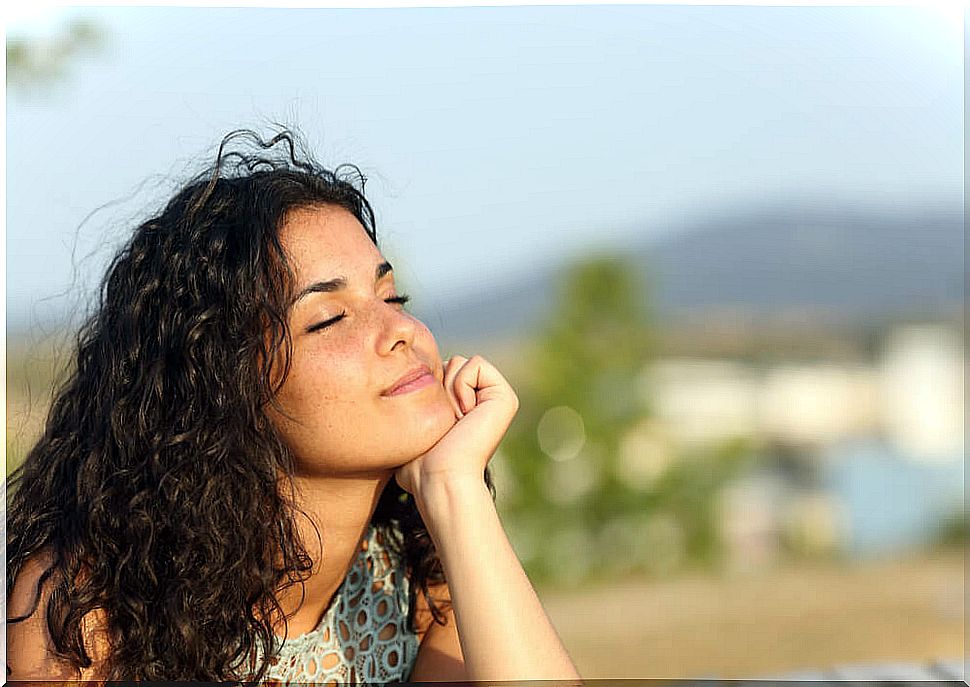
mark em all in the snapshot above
pixel 343 421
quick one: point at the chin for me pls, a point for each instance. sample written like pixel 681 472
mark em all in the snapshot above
pixel 429 431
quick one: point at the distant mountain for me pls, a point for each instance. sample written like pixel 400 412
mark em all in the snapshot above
pixel 780 261
pixel 853 264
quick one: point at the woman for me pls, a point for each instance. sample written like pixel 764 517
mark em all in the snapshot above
pixel 261 468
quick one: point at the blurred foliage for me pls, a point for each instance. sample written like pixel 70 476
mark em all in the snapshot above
pixel 598 490
pixel 34 369
pixel 33 61
pixel 952 533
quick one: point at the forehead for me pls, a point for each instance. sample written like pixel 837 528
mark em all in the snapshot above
pixel 324 241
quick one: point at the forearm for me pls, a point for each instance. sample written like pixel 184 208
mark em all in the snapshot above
pixel 503 629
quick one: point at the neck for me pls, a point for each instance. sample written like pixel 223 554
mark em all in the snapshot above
pixel 341 508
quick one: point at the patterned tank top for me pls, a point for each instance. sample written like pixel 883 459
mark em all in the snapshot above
pixel 363 636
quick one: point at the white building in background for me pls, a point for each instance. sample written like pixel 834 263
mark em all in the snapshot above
pixel 891 436
pixel 913 396
pixel 921 391
pixel 818 404
pixel 702 401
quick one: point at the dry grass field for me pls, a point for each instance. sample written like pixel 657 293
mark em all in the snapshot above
pixel 768 623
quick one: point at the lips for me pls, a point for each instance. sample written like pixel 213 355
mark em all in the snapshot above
pixel 410 376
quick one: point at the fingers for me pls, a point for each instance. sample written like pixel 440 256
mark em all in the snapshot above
pixel 470 381
pixel 466 382
pixel 465 388
pixel 452 367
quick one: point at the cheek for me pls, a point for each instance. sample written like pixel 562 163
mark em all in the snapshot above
pixel 320 383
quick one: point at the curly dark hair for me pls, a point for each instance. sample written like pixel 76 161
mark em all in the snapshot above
pixel 155 489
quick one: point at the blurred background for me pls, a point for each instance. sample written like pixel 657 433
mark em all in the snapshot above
pixel 718 251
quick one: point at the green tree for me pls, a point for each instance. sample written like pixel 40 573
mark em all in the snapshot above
pixel 33 61
pixel 575 514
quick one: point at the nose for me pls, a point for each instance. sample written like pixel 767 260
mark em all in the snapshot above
pixel 400 329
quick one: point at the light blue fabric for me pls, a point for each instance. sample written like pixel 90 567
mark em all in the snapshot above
pixel 363 636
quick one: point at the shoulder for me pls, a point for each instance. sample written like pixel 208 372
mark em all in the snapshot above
pixel 423 617
pixel 25 590
pixel 439 656
pixel 29 645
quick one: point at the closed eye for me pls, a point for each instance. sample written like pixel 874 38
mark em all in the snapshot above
pixel 322 325
pixel 399 300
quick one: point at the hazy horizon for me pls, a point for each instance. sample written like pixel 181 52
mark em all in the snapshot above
pixel 496 140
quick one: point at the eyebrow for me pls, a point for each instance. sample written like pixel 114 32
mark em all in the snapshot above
pixel 332 285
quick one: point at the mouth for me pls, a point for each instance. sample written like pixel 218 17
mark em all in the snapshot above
pixel 418 378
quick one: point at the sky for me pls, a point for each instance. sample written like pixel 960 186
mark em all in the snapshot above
pixel 495 140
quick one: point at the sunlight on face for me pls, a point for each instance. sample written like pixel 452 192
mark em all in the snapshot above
pixel 350 345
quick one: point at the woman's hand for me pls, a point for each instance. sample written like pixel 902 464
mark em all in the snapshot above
pixel 495 611
pixel 484 405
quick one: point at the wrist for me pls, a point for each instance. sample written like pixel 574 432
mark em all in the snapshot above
pixel 446 495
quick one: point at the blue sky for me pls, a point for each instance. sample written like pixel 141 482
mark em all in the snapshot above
pixel 495 139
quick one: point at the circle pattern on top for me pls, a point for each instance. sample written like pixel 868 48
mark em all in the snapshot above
pixel 363 636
